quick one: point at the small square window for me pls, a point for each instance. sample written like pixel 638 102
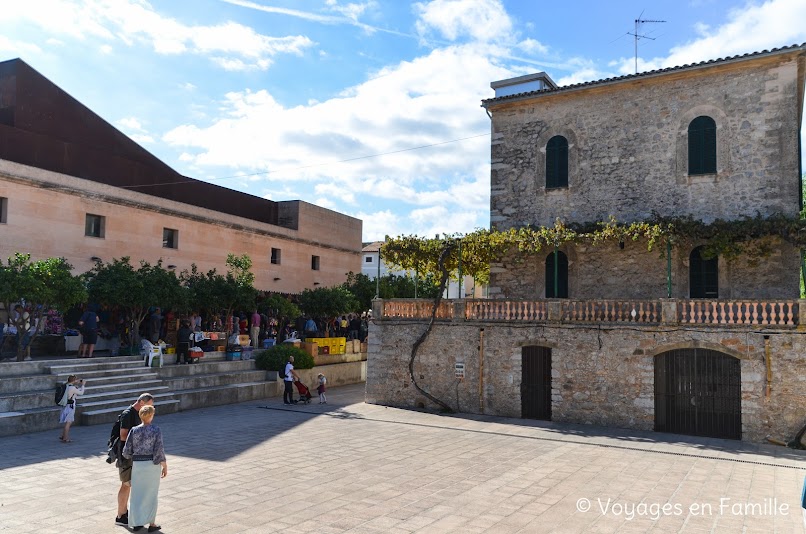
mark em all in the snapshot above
pixel 170 238
pixel 94 225
pixel 275 256
pixel 368 259
pixel 3 210
pixel 315 263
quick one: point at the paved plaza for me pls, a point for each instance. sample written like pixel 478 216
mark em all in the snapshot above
pixel 261 467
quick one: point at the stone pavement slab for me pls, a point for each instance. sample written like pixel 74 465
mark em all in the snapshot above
pixel 261 467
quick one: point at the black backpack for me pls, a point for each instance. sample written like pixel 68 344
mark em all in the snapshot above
pixel 113 446
pixel 61 394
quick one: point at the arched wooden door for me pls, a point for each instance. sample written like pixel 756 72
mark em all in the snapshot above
pixel 536 383
pixel 698 392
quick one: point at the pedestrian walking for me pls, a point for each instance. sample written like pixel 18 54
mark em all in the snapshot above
pixel 75 388
pixel 144 448
pixel 129 418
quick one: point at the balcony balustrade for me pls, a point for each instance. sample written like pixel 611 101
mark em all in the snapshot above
pixel 705 312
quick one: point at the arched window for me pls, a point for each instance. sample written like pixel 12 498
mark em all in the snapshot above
pixel 703 275
pixel 557 162
pixel 702 146
pixel 562 276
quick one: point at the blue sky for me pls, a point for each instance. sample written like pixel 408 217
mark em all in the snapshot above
pixel 369 108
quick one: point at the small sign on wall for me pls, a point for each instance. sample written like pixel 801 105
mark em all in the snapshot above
pixel 459 369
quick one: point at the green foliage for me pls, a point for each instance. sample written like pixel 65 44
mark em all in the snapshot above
pixel 214 293
pixel 391 286
pixel 327 301
pixel 43 285
pixel 275 358
pixel 750 237
pixel 280 307
pixel 119 284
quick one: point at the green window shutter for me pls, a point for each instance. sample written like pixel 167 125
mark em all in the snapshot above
pixel 703 276
pixel 557 162
pixel 702 146
pixel 562 276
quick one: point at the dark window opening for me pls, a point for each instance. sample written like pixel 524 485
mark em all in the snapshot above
pixel 315 263
pixel 275 256
pixel 557 162
pixel 702 146
pixel 368 259
pixel 170 238
pixel 3 210
pixel 562 276
pixel 94 226
pixel 703 275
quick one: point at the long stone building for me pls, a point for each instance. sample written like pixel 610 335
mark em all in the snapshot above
pixel 73 186
pixel 615 334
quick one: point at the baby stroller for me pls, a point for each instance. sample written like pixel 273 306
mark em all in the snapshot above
pixel 304 393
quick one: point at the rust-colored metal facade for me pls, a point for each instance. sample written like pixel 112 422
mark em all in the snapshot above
pixel 43 126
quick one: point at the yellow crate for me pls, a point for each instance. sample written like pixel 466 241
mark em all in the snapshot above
pixel 170 350
pixel 335 345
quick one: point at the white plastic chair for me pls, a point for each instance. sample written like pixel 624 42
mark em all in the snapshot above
pixel 150 351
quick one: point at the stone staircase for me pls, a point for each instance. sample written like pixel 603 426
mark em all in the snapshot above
pixel 27 388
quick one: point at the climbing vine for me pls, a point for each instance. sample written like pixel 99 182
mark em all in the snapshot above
pixel 750 237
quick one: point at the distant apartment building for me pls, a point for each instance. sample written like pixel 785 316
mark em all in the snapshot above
pixel 73 186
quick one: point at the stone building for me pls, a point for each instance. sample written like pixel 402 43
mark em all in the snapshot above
pixel 73 186
pixel 615 334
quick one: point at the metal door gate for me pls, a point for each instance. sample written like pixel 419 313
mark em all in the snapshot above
pixel 698 392
pixel 536 383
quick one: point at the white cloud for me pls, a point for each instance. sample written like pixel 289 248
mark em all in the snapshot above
pixel 229 44
pixel 378 224
pixel 480 20
pixel 533 46
pixel 374 125
pixel 187 86
pixel 131 123
pixel 19 48
pixel 753 28
pixel 142 138
pixel 105 49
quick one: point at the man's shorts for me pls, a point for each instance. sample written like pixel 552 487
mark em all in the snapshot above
pixel 90 337
pixel 125 470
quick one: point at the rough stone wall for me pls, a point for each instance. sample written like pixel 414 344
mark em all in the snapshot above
pixel 600 375
pixel 605 271
pixel 628 158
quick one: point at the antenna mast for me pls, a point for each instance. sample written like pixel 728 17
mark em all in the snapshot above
pixel 637 36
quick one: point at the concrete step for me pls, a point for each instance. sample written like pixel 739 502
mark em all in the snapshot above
pixel 83 368
pixel 103 373
pixel 35 420
pixel 227 394
pixel 179 383
pixel 121 384
pixel 17 384
pixel 29 400
pixel 104 402
pixel 128 378
pixel 109 415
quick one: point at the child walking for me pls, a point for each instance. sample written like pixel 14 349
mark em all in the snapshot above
pixel 321 389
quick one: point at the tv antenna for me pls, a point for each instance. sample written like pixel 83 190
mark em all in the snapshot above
pixel 637 36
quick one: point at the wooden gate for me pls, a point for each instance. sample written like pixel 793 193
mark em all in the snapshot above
pixel 698 392
pixel 536 383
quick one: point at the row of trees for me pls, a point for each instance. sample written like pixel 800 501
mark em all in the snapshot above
pixel 48 284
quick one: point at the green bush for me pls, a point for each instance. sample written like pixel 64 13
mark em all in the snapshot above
pixel 274 359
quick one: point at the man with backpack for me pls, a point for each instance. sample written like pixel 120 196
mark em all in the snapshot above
pixel 129 418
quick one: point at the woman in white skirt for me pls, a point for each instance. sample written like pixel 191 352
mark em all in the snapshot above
pixel 75 388
pixel 145 448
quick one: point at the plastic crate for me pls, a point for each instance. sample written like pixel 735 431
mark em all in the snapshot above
pixel 233 356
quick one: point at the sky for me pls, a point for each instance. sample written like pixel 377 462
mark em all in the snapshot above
pixel 370 108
